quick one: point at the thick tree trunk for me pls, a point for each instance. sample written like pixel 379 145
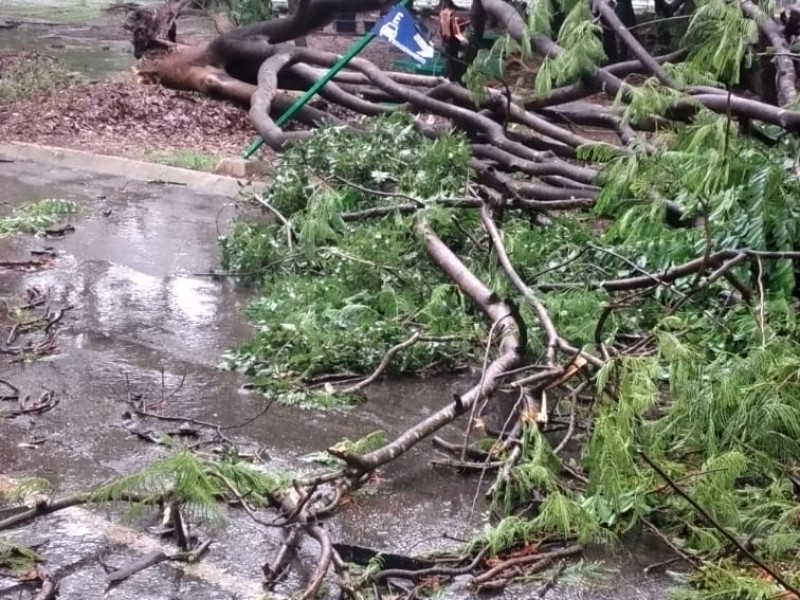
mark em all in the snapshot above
pixel 256 66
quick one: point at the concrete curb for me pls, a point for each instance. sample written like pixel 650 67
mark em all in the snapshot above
pixel 208 183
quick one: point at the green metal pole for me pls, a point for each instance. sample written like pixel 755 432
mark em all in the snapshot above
pixel 303 100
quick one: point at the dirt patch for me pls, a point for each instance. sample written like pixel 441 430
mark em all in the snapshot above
pixel 123 118
pixel 126 119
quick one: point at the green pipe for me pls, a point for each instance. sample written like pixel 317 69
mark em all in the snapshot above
pixel 303 100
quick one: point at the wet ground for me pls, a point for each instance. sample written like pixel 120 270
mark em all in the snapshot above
pixel 82 34
pixel 143 311
pixel 138 309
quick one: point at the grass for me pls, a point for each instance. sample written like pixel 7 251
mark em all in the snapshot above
pixel 185 159
pixel 32 75
pixel 36 217
pixel 55 11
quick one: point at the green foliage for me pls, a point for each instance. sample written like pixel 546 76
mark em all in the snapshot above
pixel 363 578
pixel 713 398
pixel 716 402
pixel 739 185
pixel 719 414
pixel 539 17
pixel 724 426
pixel 27 487
pixel 36 217
pixel 538 469
pixel 720 38
pixel 346 293
pixel 730 580
pixel 364 445
pixel 489 64
pixel 195 484
pixel 509 532
pixel 586 573
pixel 245 12
pixel 252 248
pixel 562 513
pixel 31 76
pixel 17 558
pixel 580 36
pixel 725 430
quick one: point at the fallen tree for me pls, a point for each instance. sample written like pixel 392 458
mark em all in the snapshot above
pixel 654 338
pixel 259 58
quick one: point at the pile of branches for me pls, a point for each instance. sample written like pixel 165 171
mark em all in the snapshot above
pixel 510 130
pixel 527 157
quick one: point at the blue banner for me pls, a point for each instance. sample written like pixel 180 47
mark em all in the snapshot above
pixel 399 29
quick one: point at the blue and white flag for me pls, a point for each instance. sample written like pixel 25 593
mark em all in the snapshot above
pixel 399 29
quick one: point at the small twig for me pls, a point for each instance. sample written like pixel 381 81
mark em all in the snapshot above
pixel 356 259
pixel 681 555
pixel 540 561
pixel 456 449
pixel 176 14
pixel 49 589
pixel 215 426
pixel 432 571
pixel 471 422
pixel 465 465
pixel 180 526
pixel 390 354
pixel 662 563
pixel 274 570
pixel 320 479
pixel 158 556
pixel 538 378
pixel 119 575
pixel 327 509
pixel 13 388
pixel 551 582
pixel 416 201
pixel 176 390
pixel 279 216
pixel 50 506
pixel 760 307
pixel 572 419
pixel 299 506
pixel 247 508
pixel 260 413
pixel 541 312
pixel 323 562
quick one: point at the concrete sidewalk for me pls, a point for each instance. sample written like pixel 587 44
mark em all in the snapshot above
pixel 136 170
